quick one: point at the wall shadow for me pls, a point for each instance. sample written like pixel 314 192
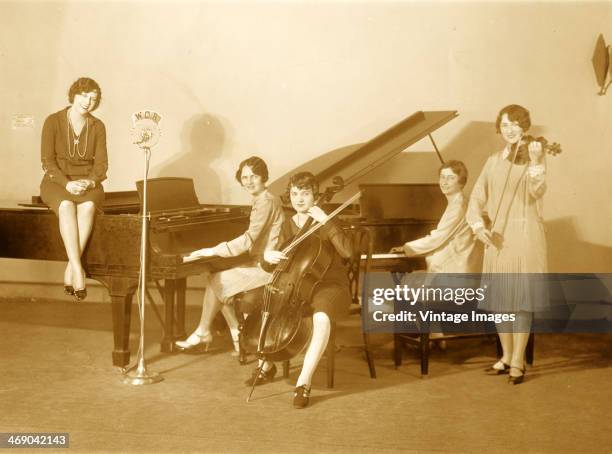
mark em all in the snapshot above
pixel 203 139
pixel 567 253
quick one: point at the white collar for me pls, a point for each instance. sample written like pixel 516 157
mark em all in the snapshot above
pixel 506 152
pixel 457 197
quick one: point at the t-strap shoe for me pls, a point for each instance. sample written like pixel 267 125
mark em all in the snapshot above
pixel 499 368
pixel 516 379
pixel 195 343
pixel 81 294
pixel 301 397
pixel 259 377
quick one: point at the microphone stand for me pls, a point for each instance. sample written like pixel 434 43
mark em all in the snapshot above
pixel 141 376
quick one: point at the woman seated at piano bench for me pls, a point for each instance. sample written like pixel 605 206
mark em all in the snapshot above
pixel 263 233
pixel 331 297
pixel 74 158
pixel 451 246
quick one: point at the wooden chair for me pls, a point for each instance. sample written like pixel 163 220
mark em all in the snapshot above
pixel 358 267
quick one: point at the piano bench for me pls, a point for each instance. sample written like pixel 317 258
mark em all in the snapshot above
pixel 422 341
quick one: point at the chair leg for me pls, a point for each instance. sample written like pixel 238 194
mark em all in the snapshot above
pixel 286 366
pixel 530 349
pixel 242 354
pixel 498 347
pixel 424 350
pixel 398 345
pixel 331 355
pixel 369 356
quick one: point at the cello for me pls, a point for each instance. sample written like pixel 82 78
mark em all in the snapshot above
pixel 284 327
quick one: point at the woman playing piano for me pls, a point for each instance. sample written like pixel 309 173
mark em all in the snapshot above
pixel 263 234
pixel 74 158
pixel 510 190
pixel 331 298
pixel 450 247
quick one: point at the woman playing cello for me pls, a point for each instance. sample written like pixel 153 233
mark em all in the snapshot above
pixel 331 296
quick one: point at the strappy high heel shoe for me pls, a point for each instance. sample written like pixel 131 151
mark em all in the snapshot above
pixel 517 379
pixel 499 368
pixel 195 343
pixel 301 397
pixel 259 377
pixel 68 288
pixel 81 294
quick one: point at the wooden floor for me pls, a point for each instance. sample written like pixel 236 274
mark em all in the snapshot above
pixel 57 377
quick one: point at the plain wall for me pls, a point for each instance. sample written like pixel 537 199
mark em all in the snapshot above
pixel 290 81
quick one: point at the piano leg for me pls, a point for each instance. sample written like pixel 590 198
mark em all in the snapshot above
pixel 167 344
pixel 181 286
pixel 121 290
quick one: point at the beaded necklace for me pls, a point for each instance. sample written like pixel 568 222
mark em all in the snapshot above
pixel 73 143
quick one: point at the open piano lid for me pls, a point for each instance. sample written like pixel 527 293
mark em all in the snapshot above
pixel 357 161
pixel 169 193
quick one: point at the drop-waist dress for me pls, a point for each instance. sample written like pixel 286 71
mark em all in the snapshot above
pixel 64 161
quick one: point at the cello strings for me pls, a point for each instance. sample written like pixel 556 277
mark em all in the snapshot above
pixel 298 240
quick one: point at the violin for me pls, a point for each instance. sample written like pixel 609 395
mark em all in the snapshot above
pixel 522 156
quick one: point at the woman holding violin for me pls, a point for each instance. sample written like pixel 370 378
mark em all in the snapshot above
pixel 330 296
pixel 264 233
pixel 509 190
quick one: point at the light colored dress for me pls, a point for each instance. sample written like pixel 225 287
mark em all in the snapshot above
pixel 507 199
pixel 264 233
pixel 450 247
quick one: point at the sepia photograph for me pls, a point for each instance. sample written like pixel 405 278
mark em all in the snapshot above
pixel 286 226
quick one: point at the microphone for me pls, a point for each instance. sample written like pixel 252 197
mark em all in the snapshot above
pixel 145 128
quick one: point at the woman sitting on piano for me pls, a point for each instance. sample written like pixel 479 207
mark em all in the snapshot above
pixel 263 234
pixel 331 297
pixel 451 246
pixel 74 158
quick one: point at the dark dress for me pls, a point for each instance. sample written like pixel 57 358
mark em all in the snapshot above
pixel 332 295
pixel 61 167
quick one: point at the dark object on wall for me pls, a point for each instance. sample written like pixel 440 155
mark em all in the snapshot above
pixel 601 64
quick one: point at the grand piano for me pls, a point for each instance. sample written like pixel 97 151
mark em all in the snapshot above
pixel 179 223
pixel 394 213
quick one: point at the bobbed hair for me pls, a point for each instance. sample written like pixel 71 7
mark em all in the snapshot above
pixel 84 85
pixel 258 167
pixel 515 113
pixel 303 180
pixel 458 168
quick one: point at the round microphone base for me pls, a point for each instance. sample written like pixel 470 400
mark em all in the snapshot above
pixel 142 377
